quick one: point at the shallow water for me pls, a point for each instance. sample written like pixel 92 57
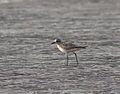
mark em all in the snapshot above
pixel 29 64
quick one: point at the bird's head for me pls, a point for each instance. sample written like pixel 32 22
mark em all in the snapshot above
pixel 56 41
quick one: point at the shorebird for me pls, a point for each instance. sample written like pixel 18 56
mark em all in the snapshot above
pixel 68 48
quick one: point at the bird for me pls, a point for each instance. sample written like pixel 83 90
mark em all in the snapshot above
pixel 68 48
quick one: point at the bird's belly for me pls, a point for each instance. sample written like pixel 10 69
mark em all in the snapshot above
pixel 61 49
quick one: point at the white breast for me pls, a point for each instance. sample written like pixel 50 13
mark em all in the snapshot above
pixel 61 49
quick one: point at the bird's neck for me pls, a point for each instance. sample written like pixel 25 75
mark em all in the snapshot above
pixel 59 43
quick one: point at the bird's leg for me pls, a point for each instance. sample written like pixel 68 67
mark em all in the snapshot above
pixel 67 59
pixel 76 58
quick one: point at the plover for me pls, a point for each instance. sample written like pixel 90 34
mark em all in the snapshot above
pixel 68 48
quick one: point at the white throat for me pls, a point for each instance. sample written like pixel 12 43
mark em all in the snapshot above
pixel 61 49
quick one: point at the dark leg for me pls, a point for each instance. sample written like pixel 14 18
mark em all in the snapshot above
pixel 76 58
pixel 67 59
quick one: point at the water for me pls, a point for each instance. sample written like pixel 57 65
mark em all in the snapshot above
pixel 29 64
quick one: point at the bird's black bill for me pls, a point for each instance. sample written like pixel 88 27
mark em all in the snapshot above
pixel 53 43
